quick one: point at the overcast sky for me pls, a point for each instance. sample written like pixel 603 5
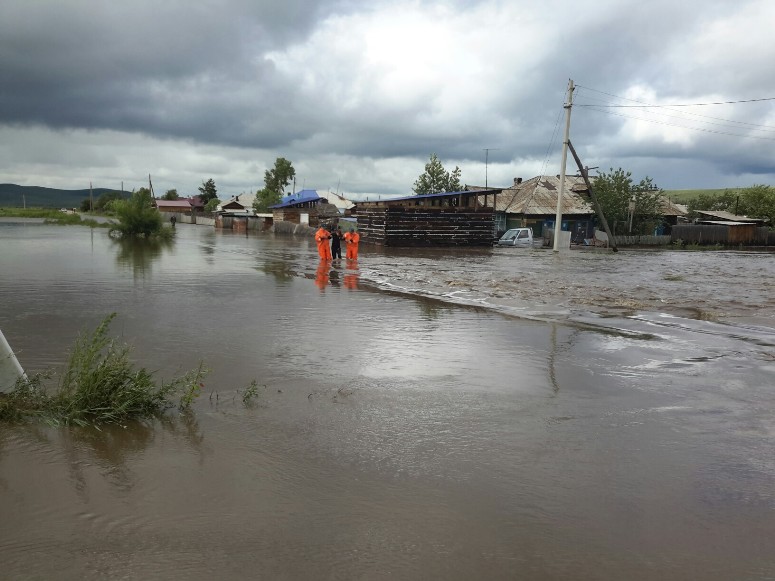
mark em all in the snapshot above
pixel 358 94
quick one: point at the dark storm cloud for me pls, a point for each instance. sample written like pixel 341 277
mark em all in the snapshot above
pixel 167 69
pixel 372 81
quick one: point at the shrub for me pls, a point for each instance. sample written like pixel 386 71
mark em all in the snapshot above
pixel 99 385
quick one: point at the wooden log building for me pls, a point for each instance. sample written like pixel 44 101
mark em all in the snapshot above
pixel 447 219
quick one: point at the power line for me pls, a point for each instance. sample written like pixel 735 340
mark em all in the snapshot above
pixel 693 104
pixel 682 126
pixel 679 104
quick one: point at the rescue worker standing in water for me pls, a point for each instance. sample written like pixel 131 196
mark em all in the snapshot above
pixel 336 243
pixel 322 236
pixel 352 238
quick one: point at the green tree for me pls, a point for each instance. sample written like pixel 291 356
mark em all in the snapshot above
pixel 622 201
pixel 758 201
pixel 275 182
pixel 724 202
pixel 212 205
pixel 436 179
pixel 138 216
pixel 208 191
pixel 102 203
pixel 171 195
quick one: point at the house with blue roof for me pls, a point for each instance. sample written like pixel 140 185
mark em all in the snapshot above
pixel 305 207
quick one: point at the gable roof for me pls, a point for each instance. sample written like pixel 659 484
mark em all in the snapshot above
pixel 538 196
pixel 181 203
pixel 242 201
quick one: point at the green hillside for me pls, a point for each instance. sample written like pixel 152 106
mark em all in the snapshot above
pixel 683 196
pixel 15 196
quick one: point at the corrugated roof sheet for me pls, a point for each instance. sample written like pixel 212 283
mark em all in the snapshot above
pixel 173 204
pixel 430 196
pixel 728 216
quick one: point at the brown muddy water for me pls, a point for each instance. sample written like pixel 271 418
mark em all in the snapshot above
pixel 427 414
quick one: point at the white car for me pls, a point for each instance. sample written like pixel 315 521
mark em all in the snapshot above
pixel 517 237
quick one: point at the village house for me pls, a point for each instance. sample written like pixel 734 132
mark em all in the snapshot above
pixel 168 208
pixel 533 203
pixel 240 205
pixel 310 209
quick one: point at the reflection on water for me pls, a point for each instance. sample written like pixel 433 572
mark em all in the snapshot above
pixel 139 254
pixel 595 432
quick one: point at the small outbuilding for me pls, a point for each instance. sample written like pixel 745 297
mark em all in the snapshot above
pixel 306 208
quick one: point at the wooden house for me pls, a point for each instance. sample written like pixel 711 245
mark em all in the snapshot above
pixel 446 219
pixel 241 205
pixel 180 207
pixel 533 203
pixel 305 207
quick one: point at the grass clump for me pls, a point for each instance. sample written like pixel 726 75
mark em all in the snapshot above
pixel 250 395
pixel 99 386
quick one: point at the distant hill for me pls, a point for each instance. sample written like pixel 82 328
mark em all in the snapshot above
pixel 683 196
pixel 15 196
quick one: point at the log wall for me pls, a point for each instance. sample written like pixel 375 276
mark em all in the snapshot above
pixel 418 226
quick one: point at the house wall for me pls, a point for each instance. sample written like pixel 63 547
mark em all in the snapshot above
pixel 293 215
pixel 422 226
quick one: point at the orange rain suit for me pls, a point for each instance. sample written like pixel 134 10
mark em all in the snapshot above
pixel 352 239
pixel 322 236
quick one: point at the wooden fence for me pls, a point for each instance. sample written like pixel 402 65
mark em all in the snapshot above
pixel 732 235
pixel 642 240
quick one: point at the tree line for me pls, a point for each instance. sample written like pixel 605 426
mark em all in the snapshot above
pixel 629 206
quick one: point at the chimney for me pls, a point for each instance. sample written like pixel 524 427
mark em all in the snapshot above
pixel 517 181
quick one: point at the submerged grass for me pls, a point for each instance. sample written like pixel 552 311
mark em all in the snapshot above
pixel 99 385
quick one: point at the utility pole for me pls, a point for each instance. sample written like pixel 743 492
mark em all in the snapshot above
pixel 558 217
pixel 91 198
pixel 486 160
pixel 585 174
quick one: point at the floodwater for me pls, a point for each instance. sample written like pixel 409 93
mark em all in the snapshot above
pixel 424 414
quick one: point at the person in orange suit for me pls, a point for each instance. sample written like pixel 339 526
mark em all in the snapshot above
pixel 322 236
pixel 352 238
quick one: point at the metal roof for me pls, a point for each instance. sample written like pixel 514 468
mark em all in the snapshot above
pixel 173 203
pixel 725 223
pixel 728 216
pixel 298 198
pixel 430 196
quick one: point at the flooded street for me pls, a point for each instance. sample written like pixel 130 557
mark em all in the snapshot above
pixel 424 414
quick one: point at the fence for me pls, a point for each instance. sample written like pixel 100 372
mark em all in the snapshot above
pixel 642 240
pixel 732 235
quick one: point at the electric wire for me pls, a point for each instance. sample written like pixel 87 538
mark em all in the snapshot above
pixel 604 107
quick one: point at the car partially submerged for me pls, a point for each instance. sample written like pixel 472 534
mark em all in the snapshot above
pixel 517 237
